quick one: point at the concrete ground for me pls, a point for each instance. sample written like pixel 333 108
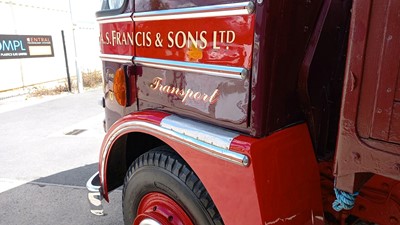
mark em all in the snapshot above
pixel 44 167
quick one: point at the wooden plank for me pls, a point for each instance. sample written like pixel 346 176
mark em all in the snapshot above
pixel 398 87
pixel 394 135
pixel 387 72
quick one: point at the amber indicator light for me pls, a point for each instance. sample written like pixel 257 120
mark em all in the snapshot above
pixel 119 87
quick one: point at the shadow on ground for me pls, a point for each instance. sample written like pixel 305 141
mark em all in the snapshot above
pixel 74 177
pixel 57 200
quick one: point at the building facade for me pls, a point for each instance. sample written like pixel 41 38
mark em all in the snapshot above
pixel 43 23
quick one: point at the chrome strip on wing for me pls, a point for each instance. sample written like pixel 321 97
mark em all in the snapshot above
pixel 170 131
pixel 234 9
pixel 125 59
pixel 206 133
pixel 126 17
pixel 209 69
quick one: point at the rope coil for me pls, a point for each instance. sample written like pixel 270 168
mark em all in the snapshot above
pixel 344 200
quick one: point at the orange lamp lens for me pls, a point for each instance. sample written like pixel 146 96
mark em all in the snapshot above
pixel 119 87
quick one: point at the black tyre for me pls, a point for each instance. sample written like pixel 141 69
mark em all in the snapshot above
pixel 160 187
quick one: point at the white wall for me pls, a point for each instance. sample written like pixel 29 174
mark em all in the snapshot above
pixel 49 17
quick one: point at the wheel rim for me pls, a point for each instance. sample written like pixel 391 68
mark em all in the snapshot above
pixel 159 209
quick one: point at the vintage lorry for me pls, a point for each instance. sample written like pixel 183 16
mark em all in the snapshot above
pixel 251 112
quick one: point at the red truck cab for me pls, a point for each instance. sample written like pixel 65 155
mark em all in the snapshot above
pixel 251 112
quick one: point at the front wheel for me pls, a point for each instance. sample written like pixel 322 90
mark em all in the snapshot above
pixel 160 188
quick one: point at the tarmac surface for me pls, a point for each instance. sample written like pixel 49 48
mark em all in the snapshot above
pixel 49 147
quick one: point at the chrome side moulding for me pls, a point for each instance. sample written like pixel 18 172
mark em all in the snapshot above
pixel 94 195
pixel 126 17
pixel 209 69
pixel 200 131
pixel 195 138
pixel 125 59
pixel 234 9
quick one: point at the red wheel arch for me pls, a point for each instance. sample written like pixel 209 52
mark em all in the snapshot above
pixel 247 177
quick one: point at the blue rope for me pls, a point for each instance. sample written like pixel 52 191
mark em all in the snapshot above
pixel 344 200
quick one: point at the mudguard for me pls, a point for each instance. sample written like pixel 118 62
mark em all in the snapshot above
pixel 252 181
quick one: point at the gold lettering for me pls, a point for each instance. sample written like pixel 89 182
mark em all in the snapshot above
pixel 203 40
pixel 197 96
pixel 170 39
pixel 148 38
pixel 124 39
pixel 214 97
pixel 189 93
pixel 183 94
pixel 108 37
pixel 205 97
pixel 180 45
pixel 130 38
pixel 136 38
pixel 119 38
pixel 156 83
pixel 230 36
pixel 222 32
pixel 192 39
pixel 166 89
pixel 113 37
pixel 174 90
pixel 215 40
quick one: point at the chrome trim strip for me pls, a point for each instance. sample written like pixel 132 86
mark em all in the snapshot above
pixel 126 17
pixel 181 137
pixel 209 69
pixel 234 9
pixel 126 59
pixel 200 131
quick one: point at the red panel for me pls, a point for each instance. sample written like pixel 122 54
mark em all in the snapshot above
pixel 398 88
pixel 378 201
pixel 368 96
pixel 117 38
pixel 287 178
pixel 387 45
pixel 228 41
pixel 221 101
pixel 280 186
pixel 153 117
pixel 394 135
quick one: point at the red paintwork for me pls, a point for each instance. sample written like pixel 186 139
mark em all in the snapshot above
pixel 378 201
pixel 153 117
pixel 145 5
pixel 117 46
pixel 238 53
pixel 281 185
pixel 269 42
pixel 161 208
pixel 282 31
pixel 367 133
pixel 287 179
pixel 232 92
pixel 122 38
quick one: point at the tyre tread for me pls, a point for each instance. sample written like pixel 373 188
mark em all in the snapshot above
pixel 165 158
